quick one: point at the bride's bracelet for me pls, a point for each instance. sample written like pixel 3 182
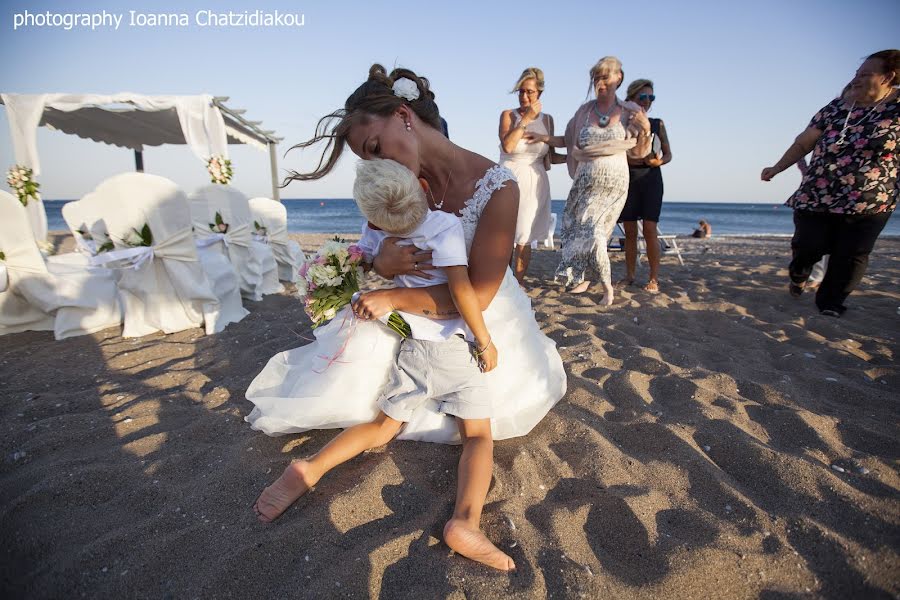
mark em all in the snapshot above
pixel 483 350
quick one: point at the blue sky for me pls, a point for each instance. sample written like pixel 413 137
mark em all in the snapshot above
pixel 735 82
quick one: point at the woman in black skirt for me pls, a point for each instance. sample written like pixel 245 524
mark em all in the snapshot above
pixel 645 191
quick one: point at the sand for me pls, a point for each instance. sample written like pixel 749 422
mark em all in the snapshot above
pixel 718 440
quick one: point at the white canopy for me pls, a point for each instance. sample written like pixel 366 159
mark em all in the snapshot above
pixel 130 121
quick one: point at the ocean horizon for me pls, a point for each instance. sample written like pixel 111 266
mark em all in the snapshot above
pixel 341 215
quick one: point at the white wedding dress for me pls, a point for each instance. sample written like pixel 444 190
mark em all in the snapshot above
pixel 336 380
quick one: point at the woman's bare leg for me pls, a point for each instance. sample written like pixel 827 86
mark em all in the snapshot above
pixel 301 475
pixel 631 250
pixel 521 259
pixel 476 465
pixel 652 241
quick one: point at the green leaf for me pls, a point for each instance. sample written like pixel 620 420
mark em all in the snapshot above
pixel 147 235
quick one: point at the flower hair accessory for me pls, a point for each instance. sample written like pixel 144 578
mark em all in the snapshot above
pixel 406 89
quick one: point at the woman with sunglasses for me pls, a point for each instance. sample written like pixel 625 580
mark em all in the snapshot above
pixel 529 163
pixel 645 191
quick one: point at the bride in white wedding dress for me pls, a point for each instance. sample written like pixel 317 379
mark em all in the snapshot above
pixel 395 117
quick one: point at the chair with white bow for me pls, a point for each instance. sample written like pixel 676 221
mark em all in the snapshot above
pixel 228 219
pixel 89 232
pixel 270 226
pixel 162 285
pixel 212 251
pixel 34 299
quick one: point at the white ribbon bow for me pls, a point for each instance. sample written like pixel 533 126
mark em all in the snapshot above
pixel 135 258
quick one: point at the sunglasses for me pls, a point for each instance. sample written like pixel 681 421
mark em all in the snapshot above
pixel 528 92
pixel 649 97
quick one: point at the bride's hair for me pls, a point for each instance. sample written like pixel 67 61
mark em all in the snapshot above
pixel 374 97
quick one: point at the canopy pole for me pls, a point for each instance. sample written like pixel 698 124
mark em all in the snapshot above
pixel 139 161
pixel 273 163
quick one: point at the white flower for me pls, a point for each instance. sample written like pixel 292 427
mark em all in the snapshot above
pixel 329 314
pixel 302 288
pixel 406 88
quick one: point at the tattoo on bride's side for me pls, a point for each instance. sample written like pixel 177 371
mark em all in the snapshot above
pixel 438 313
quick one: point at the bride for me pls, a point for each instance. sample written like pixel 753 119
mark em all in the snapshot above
pixel 395 117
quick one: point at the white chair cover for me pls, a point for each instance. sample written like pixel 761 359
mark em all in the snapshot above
pixel 273 216
pixel 162 287
pixel 253 262
pixel 213 255
pixel 70 304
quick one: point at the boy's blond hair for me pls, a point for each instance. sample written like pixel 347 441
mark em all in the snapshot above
pixel 389 195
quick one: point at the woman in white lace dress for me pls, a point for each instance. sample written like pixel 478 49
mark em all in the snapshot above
pixel 392 116
pixel 597 138
pixel 529 162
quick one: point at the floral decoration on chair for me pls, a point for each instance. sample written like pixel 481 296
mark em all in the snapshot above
pixel 21 180
pixel 136 238
pixel 219 226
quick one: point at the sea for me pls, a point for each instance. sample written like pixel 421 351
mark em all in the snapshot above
pixel 677 218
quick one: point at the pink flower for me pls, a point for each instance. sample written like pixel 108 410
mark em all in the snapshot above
pixel 844 161
pixel 881 196
pixel 860 143
pixel 859 206
pixel 821 183
pixel 854 195
pixel 885 124
pixel 304 269
pixel 321 260
pixel 874 173
pixel 832 133
pixel 355 252
pixel 848 179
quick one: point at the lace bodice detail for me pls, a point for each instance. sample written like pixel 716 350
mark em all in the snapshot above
pixel 494 179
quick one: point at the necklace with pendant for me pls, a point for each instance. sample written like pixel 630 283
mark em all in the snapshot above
pixel 842 138
pixel 603 118
pixel 439 205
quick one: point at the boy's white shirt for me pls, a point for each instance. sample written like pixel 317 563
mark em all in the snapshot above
pixel 443 235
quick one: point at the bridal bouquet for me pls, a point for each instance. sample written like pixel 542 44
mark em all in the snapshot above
pixel 330 278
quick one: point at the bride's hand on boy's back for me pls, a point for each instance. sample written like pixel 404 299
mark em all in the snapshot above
pixel 393 260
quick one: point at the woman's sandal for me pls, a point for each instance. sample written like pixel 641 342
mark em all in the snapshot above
pixel 652 287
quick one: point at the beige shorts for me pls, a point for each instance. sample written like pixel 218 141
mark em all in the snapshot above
pixel 444 371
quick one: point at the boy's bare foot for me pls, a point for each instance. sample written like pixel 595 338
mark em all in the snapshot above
pixel 472 543
pixel 652 286
pixel 624 282
pixel 275 499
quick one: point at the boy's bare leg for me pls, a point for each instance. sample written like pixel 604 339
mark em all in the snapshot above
pixel 301 475
pixel 463 532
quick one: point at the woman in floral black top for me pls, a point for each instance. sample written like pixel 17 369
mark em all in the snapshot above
pixel 851 187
